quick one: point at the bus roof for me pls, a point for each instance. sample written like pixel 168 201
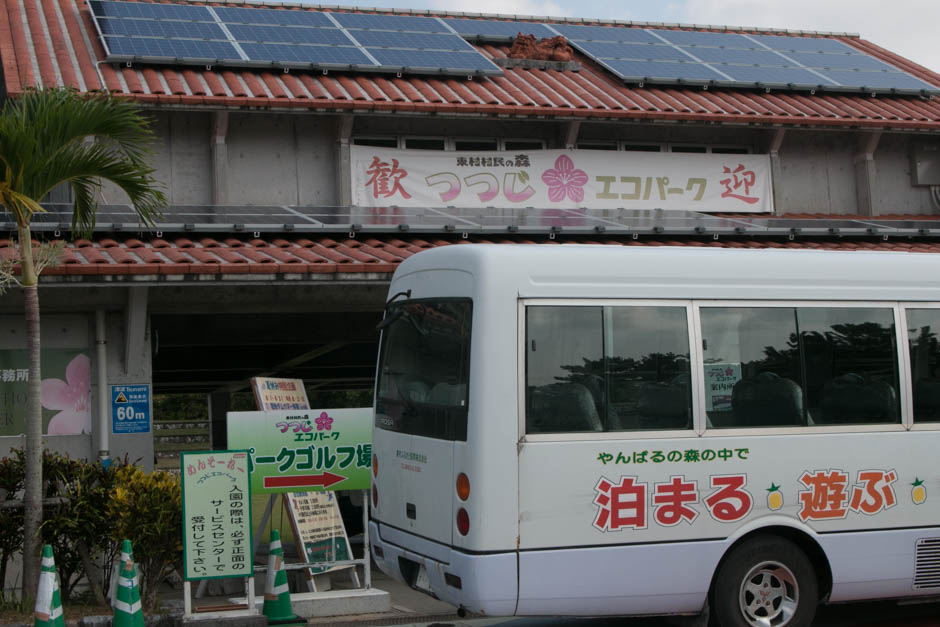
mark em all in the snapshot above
pixel 603 271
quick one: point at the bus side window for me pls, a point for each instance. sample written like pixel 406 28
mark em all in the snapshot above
pixel 752 371
pixel 925 362
pixel 790 366
pixel 859 381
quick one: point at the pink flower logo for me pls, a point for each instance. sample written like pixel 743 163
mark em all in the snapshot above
pixel 565 180
pixel 324 422
pixel 72 398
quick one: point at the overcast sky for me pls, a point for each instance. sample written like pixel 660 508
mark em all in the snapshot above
pixel 910 28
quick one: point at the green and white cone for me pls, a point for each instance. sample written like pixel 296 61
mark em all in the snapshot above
pixel 127 609
pixel 276 593
pixel 48 599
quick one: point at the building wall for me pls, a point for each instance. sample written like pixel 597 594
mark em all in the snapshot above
pixel 290 159
pixel 77 331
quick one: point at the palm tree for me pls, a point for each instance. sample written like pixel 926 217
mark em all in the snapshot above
pixel 50 137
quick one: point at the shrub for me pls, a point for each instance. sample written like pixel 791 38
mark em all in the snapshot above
pixel 11 518
pixel 147 510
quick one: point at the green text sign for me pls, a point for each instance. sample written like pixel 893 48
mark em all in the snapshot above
pixel 307 450
pixel 216 514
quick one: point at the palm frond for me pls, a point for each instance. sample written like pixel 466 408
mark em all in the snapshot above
pixel 43 143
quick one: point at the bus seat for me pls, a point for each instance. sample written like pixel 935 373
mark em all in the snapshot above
pixel 927 400
pixel 852 399
pixel 451 394
pixel 665 405
pixel 562 408
pixel 766 400
pixel 413 389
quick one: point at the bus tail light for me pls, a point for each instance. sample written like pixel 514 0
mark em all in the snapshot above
pixel 375 465
pixel 463 521
pixel 463 486
pixel 375 497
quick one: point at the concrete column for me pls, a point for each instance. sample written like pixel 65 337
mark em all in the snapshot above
pixel 344 126
pixel 219 158
pixel 776 171
pixel 220 402
pixel 136 335
pixel 866 172
pixel 571 134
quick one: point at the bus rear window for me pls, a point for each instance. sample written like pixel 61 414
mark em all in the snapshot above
pixel 423 369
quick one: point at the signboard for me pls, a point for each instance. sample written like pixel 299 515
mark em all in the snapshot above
pixel 66 391
pixel 302 451
pixel 719 381
pixel 216 514
pixel 318 527
pixel 130 408
pixel 562 179
pixel 274 393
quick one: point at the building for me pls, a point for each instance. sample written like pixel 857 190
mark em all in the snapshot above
pixel 275 258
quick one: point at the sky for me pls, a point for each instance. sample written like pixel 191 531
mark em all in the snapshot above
pixel 906 27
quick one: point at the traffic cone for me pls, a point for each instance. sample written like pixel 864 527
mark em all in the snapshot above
pixel 276 594
pixel 48 599
pixel 127 610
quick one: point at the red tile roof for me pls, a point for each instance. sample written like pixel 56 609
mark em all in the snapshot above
pixel 59 46
pixel 297 256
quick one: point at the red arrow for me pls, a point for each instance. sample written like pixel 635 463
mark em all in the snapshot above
pixel 302 481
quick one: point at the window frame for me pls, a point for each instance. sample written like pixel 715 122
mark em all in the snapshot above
pixel 903 368
pixel 907 408
pixel 700 427
pixel 651 434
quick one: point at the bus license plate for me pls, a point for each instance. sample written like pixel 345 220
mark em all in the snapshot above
pixel 422 582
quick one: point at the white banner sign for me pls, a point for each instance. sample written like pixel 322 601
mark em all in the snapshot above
pixel 562 179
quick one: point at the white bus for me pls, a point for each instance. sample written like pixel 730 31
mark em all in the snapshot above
pixel 625 430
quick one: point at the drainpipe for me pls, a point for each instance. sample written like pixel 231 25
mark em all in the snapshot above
pixel 866 173
pixel 101 357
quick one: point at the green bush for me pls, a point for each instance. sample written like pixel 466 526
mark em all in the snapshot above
pixel 11 518
pixel 147 509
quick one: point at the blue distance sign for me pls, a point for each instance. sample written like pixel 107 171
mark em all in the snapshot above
pixel 130 408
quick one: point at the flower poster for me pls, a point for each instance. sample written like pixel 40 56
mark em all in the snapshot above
pixel 561 179
pixel 66 391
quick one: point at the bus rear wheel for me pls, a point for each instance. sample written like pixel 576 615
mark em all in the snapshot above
pixel 765 581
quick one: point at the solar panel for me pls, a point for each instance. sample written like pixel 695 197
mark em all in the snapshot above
pixel 434 60
pixel 171 49
pixel 237 15
pixel 109 8
pixel 668 70
pixel 190 34
pixel 803 44
pixel 487 29
pixel 306 54
pixel 396 39
pixel 878 80
pixel 161 28
pixel 771 75
pixel 610 50
pixel 737 60
pixel 371 21
pixel 575 32
pixel 840 61
pixel 701 38
pixel 732 55
pixel 288 35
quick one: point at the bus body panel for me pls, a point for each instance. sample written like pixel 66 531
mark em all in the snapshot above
pixel 723 484
pixel 874 564
pixel 488 582
pixel 617 580
pixel 416 491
